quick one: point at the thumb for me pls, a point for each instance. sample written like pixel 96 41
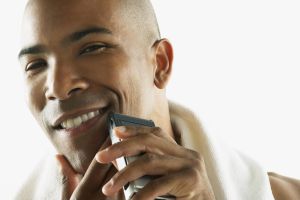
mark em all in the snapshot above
pixel 70 178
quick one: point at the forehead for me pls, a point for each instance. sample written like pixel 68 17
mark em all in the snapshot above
pixel 53 19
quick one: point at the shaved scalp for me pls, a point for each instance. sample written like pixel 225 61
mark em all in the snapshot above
pixel 140 13
pixel 143 15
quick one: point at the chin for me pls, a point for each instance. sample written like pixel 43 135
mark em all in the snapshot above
pixel 80 161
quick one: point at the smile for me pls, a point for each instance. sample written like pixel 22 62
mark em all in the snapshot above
pixel 80 120
pixel 77 121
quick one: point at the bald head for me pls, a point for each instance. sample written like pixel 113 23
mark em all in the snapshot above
pixel 141 12
pixel 81 55
pixel 139 15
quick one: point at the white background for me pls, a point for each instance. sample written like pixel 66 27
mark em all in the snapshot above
pixel 236 64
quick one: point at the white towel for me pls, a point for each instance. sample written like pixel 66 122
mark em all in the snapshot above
pixel 232 175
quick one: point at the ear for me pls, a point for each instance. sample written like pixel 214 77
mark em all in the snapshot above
pixel 163 62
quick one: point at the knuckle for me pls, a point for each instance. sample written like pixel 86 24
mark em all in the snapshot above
pixel 119 149
pixel 146 138
pixel 150 158
pixel 194 175
pixel 196 155
pixel 194 171
pixel 197 164
pixel 157 131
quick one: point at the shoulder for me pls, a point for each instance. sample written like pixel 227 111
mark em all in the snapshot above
pixel 42 181
pixel 284 188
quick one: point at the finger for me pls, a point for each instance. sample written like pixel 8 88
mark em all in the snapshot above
pixel 144 165
pixel 95 175
pixel 94 178
pixel 174 184
pixel 124 132
pixel 190 183
pixel 70 178
pixel 141 144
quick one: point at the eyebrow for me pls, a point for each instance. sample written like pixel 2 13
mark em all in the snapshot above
pixel 74 37
pixel 32 50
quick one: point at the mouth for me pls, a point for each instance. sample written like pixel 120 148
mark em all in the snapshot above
pixel 81 121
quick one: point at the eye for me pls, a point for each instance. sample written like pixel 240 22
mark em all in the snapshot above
pixel 94 48
pixel 35 65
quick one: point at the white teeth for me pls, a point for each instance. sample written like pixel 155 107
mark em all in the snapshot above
pixel 91 114
pixel 64 124
pixel 77 121
pixel 70 123
pixel 84 117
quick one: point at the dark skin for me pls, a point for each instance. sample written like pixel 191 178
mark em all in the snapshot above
pixel 79 60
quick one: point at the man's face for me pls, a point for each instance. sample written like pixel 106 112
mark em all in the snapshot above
pixel 82 59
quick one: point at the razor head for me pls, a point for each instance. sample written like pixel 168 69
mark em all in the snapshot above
pixel 115 119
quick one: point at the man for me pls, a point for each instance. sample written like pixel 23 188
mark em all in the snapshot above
pixel 85 58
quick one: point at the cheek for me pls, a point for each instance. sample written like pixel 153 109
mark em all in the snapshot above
pixel 133 83
pixel 35 97
pixel 113 71
pixel 128 77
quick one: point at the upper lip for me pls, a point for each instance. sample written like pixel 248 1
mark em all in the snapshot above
pixel 65 116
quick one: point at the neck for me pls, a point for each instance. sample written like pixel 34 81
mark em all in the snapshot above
pixel 161 117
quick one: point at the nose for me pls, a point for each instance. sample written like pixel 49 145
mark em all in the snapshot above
pixel 63 81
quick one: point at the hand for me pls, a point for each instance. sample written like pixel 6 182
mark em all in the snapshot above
pixel 181 171
pixel 75 186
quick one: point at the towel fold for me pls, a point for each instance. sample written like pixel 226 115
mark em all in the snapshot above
pixel 233 176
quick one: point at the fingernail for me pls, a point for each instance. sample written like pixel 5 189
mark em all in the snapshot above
pixel 106 187
pixel 120 129
pixel 102 156
pixel 98 157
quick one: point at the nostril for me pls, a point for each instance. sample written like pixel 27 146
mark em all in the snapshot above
pixel 51 98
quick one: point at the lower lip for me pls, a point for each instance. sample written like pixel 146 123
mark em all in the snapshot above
pixel 84 127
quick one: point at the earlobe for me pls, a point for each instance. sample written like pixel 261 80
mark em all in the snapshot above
pixel 163 61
